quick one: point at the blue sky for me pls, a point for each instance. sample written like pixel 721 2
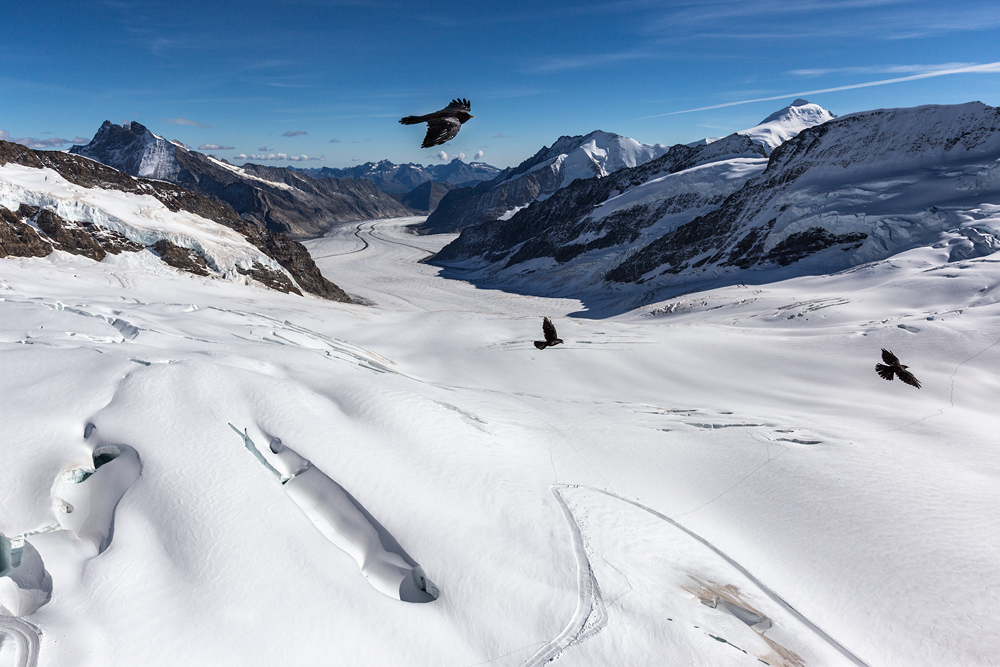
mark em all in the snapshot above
pixel 328 79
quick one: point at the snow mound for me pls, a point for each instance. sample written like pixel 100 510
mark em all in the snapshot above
pixel 340 518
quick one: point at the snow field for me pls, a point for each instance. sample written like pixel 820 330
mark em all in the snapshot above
pixel 751 416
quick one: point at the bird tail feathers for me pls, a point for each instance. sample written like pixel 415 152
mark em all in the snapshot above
pixel 411 120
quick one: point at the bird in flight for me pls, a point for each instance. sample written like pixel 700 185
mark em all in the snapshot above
pixel 442 125
pixel 551 337
pixel 892 366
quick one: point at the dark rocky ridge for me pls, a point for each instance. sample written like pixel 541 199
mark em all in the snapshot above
pixel 90 174
pixel 425 197
pixel 275 198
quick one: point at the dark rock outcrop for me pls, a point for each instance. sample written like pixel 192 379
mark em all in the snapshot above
pixel 184 259
pixel 425 197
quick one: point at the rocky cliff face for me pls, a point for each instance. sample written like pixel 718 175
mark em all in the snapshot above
pixel 278 199
pixel 849 191
pixel 33 226
pixel 568 159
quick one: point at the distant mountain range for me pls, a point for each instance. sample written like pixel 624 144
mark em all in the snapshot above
pixel 50 200
pixel 276 198
pixel 569 158
pixel 834 194
pixel 401 178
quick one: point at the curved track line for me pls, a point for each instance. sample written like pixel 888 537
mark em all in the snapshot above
pixel 581 554
pixel 590 615
pixel 357 233
pixel 25 635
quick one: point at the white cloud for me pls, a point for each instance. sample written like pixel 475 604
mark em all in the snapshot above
pixel 279 157
pixel 478 155
pixel 185 121
pixel 988 68
pixel 214 147
pixel 444 157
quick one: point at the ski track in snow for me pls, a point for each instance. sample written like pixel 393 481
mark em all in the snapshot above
pixel 591 612
pixel 25 635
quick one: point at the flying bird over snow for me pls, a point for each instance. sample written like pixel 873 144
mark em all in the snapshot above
pixel 442 125
pixel 892 366
pixel 551 337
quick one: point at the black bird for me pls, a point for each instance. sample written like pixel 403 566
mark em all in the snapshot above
pixel 891 366
pixel 551 337
pixel 442 125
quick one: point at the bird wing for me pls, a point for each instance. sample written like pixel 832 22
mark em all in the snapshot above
pixel 889 358
pixel 440 130
pixel 885 372
pixel 460 104
pixel 549 330
pixel 908 378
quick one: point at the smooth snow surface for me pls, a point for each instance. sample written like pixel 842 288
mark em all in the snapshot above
pixel 715 480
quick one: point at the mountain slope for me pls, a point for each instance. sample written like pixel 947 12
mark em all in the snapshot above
pixel 848 191
pixel 84 207
pixel 569 158
pixel 276 198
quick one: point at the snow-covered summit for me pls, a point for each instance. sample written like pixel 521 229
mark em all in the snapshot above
pixel 273 197
pixel 785 123
pixel 596 154
pixel 132 148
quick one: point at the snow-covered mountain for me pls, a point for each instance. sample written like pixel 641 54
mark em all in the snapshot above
pixel 402 178
pixel 570 158
pixel 848 191
pixel 785 123
pixel 595 155
pixel 56 201
pixel 277 198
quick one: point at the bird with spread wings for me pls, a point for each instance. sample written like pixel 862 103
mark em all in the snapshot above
pixel 892 366
pixel 551 337
pixel 442 125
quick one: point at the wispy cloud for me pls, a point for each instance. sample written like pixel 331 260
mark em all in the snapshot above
pixel 564 63
pixel 214 147
pixel 988 68
pixel 185 121
pixel 334 141
pixel 279 157
pixel 879 69
pixel 264 149
pixel 294 134
pixel 42 144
